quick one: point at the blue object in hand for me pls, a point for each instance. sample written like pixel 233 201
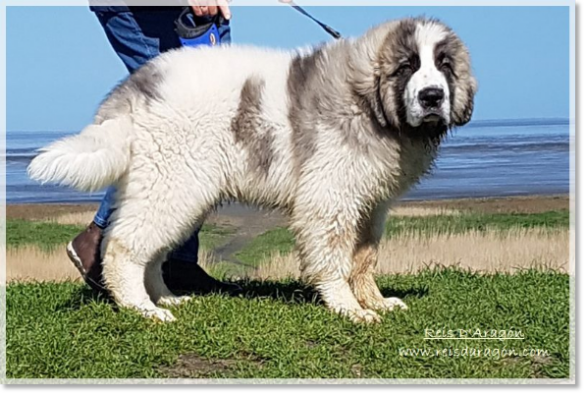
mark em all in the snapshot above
pixel 192 33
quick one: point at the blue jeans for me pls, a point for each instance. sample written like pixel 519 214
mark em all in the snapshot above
pixel 137 37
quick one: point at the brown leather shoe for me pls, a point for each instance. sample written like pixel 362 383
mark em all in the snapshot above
pixel 84 252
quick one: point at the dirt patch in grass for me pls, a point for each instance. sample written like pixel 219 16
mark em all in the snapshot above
pixel 192 365
pixel 195 366
pixel 538 364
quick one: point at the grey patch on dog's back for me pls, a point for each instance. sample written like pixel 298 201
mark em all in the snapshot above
pixel 140 86
pixel 251 130
pixel 145 81
pixel 301 85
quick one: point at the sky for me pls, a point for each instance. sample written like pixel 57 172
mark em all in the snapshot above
pixel 60 64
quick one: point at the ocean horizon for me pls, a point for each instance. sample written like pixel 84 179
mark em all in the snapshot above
pixel 488 158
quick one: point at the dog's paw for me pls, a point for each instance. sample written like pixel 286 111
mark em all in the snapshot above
pixel 158 314
pixel 359 316
pixel 390 304
pixel 384 304
pixel 173 300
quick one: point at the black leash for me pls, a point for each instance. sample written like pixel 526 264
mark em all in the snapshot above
pixel 328 29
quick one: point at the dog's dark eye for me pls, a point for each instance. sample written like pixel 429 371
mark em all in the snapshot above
pixel 406 65
pixel 446 65
pixel 403 67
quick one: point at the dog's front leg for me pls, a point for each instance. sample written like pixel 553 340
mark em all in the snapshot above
pixel 325 248
pixel 365 259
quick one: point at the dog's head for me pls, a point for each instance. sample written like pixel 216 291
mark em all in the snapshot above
pixel 421 76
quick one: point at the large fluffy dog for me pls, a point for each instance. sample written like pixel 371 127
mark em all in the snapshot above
pixel 331 136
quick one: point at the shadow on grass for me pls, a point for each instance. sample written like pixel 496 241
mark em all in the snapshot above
pixel 298 293
pixel 286 291
pixel 84 296
pixel 418 292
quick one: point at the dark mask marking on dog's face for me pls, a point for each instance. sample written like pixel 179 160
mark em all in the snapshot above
pixel 399 60
pixel 251 130
pixel 303 74
pixel 452 59
pixel 405 62
pixel 444 56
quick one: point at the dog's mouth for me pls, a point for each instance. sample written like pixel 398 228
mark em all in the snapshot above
pixel 430 118
pixel 433 116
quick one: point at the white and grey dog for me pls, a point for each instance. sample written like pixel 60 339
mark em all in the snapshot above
pixel 331 136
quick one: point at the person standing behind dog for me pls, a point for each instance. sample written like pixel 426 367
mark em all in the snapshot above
pixel 138 34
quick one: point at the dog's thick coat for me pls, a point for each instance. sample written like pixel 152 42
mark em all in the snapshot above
pixel 330 136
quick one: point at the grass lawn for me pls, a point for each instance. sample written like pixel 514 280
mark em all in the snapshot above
pixel 280 329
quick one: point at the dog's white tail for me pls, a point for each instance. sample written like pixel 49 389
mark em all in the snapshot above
pixel 89 161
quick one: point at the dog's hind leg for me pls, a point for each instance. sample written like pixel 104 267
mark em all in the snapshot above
pixel 365 260
pixel 124 276
pixel 143 229
pixel 325 248
pixel 156 287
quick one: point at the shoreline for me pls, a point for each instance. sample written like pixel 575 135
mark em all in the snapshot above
pixel 518 204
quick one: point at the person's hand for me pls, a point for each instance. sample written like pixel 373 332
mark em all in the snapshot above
pixel 210 7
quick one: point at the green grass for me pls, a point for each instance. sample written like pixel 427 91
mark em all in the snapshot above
pixel 46 235
pixel 441 224
pixel 49 235
pixel 280 330
pixel 281 240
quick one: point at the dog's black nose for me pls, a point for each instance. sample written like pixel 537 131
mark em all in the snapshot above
pixel 431 97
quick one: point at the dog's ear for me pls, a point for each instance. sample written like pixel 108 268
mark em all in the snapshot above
pixel 366 84
pixel 377 104
pixel 373 92
pixel 465 85
pixel 366 65
pixel 463 104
